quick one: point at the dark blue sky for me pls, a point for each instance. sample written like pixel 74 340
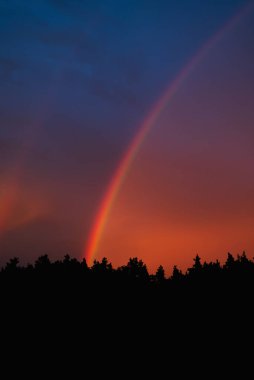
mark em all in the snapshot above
pixel 98 65
pixel 76 80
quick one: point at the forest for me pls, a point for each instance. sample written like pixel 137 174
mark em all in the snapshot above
pixel 69 278
pixel 119 314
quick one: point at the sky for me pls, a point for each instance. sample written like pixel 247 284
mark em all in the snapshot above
pixel 77 80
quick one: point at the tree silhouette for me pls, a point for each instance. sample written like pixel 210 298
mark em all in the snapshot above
pixel 160 274
pixel 102 267
pixel 42 262
pixel 197 266
pixel 230 262
pixel 177 274
pixel 136 269
pixel 12 265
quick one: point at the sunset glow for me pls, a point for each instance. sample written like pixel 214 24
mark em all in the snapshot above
pixel 126 130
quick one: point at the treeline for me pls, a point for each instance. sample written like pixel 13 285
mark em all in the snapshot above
pixel 208 305
pixel 235 273
pixel 135 269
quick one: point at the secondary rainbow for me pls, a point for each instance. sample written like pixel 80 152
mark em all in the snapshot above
pixel 125 163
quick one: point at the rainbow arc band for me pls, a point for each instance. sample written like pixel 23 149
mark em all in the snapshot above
pixel 125 163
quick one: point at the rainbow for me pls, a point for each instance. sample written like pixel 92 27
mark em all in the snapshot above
pixel 135 145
